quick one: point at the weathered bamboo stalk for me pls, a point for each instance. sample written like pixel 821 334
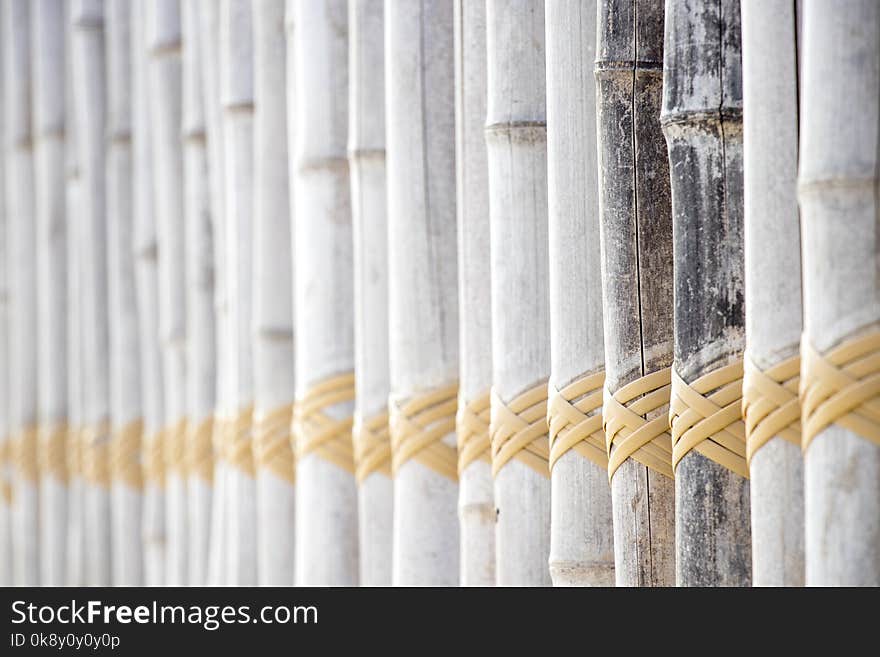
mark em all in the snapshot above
pixel 366 157
pixel 6 473
pixel 637 278
pixel 47 31
pixel 702 122
pixel 422 276
pixel 18 151
pixel 164 44
pixel 581 551
pixel 147 281
pixel 773 276
pixel 476 502
pixel 209 40
pixel 517 155
pixel 838 185
pixel 237 97
pixel 273 302
pixel 201 354
pixel 326 499
pixel 87 20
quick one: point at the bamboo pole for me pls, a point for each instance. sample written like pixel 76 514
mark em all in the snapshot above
pixel 6 473
pixel 209 44
pixel 18 150
pixel 422 272
pixel 581 550
pixel 637 277
pixel 147 281
pixel 201 353
pixel 838 183
pixel 165 107
pixel 476 502
pixel 237 97
pixel 773 273
pixel 273 302
pixel 702 122
pixel 48 126
pixel 326 500
pixel 517 157
pixel 366 156
pixel 89 96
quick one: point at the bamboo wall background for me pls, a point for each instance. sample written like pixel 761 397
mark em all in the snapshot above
pixel 440 292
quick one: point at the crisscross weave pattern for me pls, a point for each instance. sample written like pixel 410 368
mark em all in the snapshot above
pixel 316 431
pixel 842 387
pixel 125 455
pixel 574 418
pixel 629 434
pixel 238 447
pixel 706 416
pixel 52 452
pixel 154 459
pixel 519 430
pixel 200 449
pixel 372 446
pixel 273 448
pixel 96 454
pixel 418 427
pixel 472 430
pixel 770 404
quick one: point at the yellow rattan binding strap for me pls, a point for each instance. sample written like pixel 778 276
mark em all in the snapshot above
pixel 125 455
pixel 273 449
pixel 629 434
pixel 154 459
pixel 574 417
pixel 200 449
pixel 316 431
pixel 73 452
pixel 770 404
pixel 372 446
pixel 24 454
pixel 96 454
pixel 52 452
pixel 472 429
pixel 5 466
pixel 238 449
pixel 174 449
pixel 418 427
pixel 519 430
pixel 706 416
pixel 842 387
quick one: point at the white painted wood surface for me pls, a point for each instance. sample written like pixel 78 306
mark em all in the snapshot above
pixel 516 143
pixel 6 474
pixel 422 269
pixel 147 284
pixel 237 97
pixel 326 495
pixel 773 272
pixel 272 286
pixel 838 184
pixel 581 546
pixel 47 33
pixel 476 500
pixel 366 155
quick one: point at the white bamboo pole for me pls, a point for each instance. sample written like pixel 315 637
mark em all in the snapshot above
pixel 147 282
pixel 326 500
pixel 366 156
pixel 22 272
pixel 47 25
pixel 125 373
pixel 476 502
pixel 773 275
pixel 6 570
pixel 209 39
pixel 273 301
pixel 201 353
pixel 237 96
pixel 581 547
pixel 838 183
pixel 637 270
pixel 89 97
pixel 422 279
pixel 517 156
pixel 165 108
